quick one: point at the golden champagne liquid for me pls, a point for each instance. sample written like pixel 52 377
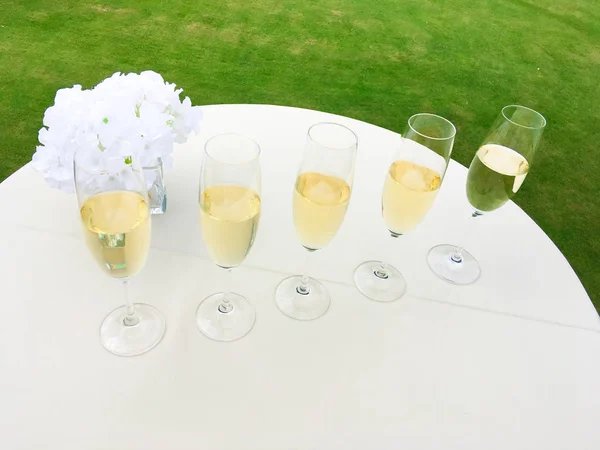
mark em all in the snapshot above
pixel 408 193
pixel 229 219
pixel 320 203
pixel 495 175
pixel 117 231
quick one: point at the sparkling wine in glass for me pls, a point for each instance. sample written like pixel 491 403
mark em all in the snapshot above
pixel 411 185
pixel 114 212
pixel 496 173
pixel 229 205
pixel 320 200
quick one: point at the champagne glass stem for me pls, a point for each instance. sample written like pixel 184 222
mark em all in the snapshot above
pixel 304 288
pixel 131 319
pixel 382 271
pixel 456 256
pixel 226 306
pixel 379 280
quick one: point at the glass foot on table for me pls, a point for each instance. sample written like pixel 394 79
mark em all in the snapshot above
pixel 294 304
pixel 225 322
pixel 383 287
pixel 441 263
pixel 132 340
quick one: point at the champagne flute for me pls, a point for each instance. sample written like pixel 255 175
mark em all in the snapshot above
pixel 496 173
pixel 113 202
pixel 410 188
pixel 321 195
pixel 229 213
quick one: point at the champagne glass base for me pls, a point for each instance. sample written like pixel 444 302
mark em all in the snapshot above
pixel 441 263
pixel 225 326
pixel 302 306
pixel 132 340
pixel 377 288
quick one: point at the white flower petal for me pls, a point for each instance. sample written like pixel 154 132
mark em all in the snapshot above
pixel 124 115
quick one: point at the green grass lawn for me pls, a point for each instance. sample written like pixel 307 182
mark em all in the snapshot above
pixel 378 61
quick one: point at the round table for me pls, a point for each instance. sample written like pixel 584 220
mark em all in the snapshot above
pixel 508 362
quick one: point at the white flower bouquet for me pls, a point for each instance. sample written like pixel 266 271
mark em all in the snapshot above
pixel 124 115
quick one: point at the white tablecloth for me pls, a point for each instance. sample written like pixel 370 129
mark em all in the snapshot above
pixel 509 362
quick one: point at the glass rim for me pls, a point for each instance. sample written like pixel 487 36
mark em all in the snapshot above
pixel 255 156
pixel 528 109
pixel 337 125
pixel 437 117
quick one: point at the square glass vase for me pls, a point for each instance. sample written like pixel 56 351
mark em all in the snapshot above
pixel 157 188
